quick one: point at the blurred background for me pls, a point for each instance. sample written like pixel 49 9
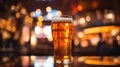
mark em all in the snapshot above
pixel 25 26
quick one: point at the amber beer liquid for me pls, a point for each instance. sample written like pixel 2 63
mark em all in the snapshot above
pixel 62 31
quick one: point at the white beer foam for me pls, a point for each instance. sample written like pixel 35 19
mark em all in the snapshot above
pixel 61 19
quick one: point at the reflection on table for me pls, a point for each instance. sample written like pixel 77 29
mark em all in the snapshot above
pixel 48 61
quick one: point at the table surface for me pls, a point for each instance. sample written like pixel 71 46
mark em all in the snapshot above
pixel 48 61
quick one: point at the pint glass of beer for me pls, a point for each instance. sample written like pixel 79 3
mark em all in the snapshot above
pixel 62 31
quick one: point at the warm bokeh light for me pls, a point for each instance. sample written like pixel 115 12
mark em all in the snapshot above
pixel 38 11
pixel 28 20
pixel 17 15
pixel 13 29
pixel 12 7
pixel 79 7
pixel 33 39
pixel 76 41
pixel 39 23
pixel 2 24
pixel 49 38
pixel 8 25
pixel 99 29
pixel 94 41
pixel 118 38
pixel 25 34
pixel 23 11
pixel 99 62
pixel 81 20
pixel 5 59
pixel 48 9
pixel 59 13
pixel 115 31
pixel 88 18
pixel 110 16
pixel 81 59
pixel 84 43
pixel 25 61
pixel 94 4
pixel 80 34
pixel 66 61
pixel 6 35
pixel 32 58
pixel 32 14
pixel 40 18
pixel 67 65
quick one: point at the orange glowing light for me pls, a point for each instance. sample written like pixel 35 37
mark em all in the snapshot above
pixel 23 11
pixel 32 14
pixel 39 23
pixel 59 13
pixel 12 7
pixel 94 4
pixel 99 29
pixel 17 15
pixel 79 8
pixel 84 43
pixel 40 18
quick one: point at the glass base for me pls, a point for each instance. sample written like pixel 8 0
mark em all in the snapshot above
pixel 59 63
pixel 63 61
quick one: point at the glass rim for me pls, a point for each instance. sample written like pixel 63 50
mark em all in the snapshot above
pixel 62 17
pixel 69 16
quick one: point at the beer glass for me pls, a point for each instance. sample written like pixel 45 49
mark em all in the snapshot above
pixel 62 31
